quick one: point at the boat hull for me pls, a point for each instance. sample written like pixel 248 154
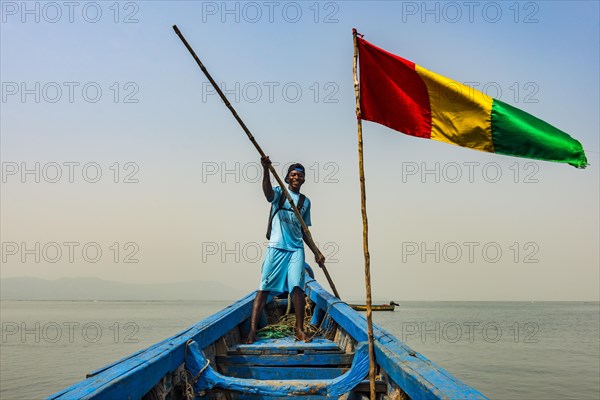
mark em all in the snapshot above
pixel 375 307
pixel 159 371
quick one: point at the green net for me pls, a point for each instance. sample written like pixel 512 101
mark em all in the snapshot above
pixel 284 327
pixel 275 332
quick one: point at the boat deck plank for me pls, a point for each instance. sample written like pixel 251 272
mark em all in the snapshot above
pixel 279 373
pixel 339 359
pixel 287 345
pixel 237 396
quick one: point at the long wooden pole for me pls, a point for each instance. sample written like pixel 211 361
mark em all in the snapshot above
pixel 307 235
pixel 363 207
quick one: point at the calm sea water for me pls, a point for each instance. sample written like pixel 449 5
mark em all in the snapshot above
pixel 505 350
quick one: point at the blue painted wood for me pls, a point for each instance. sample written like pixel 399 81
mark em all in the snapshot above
pixel 261 397
pixel 344 315
pixel 135 376
pixel 416 375
pixel 281 373
pixel 287 345
pixel 208 378
pixel 328 324
pixel 317 317
pixel 342 359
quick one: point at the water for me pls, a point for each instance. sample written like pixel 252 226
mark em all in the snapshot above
pixel 505 350
pixel 508 350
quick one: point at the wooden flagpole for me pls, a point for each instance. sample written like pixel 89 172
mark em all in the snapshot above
pixel 307 235
pixel 363 206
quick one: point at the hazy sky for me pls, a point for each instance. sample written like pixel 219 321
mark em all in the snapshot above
pixel 120 162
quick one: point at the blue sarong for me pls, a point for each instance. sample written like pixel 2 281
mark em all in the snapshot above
pixel 282 270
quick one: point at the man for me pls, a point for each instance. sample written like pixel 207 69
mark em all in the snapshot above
pixel 283 266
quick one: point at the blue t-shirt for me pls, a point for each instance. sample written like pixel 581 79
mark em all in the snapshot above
pixel 286 231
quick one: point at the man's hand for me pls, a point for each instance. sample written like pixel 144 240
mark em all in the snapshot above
pixel 265 161
pixel 266 182
pixel 320 259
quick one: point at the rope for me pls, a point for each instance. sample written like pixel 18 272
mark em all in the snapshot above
pixel 285 326
pixel 189 390
pixel 326 316
pixel 201 371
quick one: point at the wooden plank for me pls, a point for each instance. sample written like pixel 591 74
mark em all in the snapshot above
pixel 281 373
pixel 135 376
pixel 340 359
pixel 285 345
pixel 380 387
pixel 416 375
pixel 238 396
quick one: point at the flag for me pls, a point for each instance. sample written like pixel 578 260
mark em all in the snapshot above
pixel 408 98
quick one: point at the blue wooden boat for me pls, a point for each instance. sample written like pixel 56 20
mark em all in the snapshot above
pixel 209 361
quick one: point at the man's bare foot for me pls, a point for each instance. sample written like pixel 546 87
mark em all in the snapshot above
pixel 301 335
pixel 250 338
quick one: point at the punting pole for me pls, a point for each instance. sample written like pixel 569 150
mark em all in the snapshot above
pixel 363 206
pixel 307 235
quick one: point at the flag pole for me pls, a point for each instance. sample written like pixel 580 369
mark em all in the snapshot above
pixel 363 206
pixel 308 237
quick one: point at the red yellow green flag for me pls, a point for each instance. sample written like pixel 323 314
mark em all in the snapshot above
pixel 408 98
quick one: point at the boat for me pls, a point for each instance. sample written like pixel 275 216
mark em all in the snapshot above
pixel 375 307
pixel 210 361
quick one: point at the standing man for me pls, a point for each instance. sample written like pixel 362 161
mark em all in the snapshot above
pixel 283 266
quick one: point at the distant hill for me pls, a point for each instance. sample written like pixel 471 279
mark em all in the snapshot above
pixel 99 289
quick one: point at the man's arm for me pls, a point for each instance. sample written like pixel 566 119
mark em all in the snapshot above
pixel 266 182
pixel 319 257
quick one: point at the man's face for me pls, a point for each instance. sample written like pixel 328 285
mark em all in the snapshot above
pixel 296 179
